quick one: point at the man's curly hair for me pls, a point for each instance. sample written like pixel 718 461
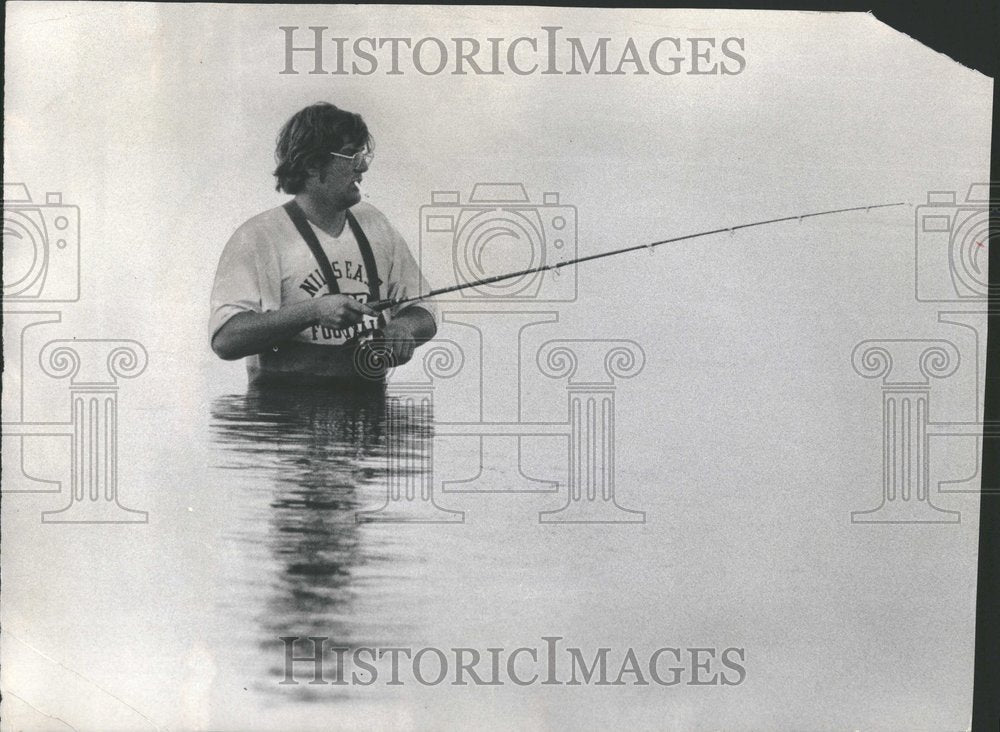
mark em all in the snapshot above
pixel 307 139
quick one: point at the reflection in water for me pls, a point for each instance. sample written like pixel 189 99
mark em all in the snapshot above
pixel 308 462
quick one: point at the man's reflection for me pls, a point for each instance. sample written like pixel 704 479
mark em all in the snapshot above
pixel 323 454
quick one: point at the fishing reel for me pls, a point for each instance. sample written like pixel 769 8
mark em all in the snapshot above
pixel 371 354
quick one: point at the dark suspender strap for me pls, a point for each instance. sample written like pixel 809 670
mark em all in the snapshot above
pixel 371 269
pixel 298 218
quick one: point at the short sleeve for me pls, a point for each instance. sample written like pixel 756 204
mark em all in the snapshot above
pixel 238 283
pixel 406 280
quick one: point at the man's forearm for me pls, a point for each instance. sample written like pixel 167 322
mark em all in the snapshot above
pixel 249 333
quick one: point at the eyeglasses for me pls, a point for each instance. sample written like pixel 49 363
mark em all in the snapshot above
pixel 358 159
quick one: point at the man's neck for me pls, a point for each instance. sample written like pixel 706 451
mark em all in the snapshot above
pixel 330 220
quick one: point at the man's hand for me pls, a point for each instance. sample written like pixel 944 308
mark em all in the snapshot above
pixel 340 311
pixel 400 341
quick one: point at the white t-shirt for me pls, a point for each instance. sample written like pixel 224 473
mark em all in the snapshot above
pixel 266 265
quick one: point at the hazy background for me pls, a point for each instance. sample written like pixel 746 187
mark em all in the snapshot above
pixel 747 424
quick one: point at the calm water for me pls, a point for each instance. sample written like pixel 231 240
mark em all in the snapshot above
pixel 253 535
pixel 310 557
pixel 810 600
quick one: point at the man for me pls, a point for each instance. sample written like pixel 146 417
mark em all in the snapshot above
pixel 272 301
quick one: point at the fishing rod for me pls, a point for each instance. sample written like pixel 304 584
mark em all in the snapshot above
pixel 388 303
